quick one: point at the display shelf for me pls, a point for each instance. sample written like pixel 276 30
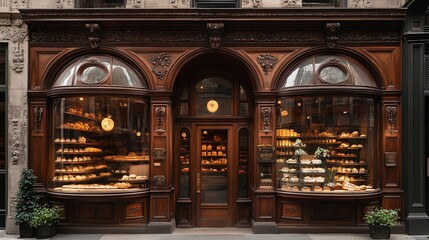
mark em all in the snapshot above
pixel 80 116
pixel 77 129
pixel 57 171
pixel 79 153
pixel 76 144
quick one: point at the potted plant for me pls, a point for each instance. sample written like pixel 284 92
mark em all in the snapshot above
pixel 27 201
pixel 380 222
pixel 45 221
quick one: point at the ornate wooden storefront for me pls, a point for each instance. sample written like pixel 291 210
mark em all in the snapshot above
pixel 249 54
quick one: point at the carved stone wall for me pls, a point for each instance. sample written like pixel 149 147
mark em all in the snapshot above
pixel 14 33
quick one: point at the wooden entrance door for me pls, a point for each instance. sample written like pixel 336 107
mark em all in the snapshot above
pixel 213 177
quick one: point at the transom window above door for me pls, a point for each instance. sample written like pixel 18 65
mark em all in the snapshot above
pixel 213 95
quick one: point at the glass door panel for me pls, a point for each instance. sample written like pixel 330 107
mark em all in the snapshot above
pixel 214 166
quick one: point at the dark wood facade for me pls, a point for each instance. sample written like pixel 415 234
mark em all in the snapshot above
pixel 370 36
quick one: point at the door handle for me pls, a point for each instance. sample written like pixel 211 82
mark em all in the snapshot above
pixel 198 183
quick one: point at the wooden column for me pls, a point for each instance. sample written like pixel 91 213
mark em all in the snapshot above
pixel 38 159
pixel 264 214
pixel 161 192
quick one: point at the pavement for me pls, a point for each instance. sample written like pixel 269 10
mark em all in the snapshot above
pixel 216 234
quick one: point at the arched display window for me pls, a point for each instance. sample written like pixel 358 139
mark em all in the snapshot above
pixel 327 118
pixel 100 136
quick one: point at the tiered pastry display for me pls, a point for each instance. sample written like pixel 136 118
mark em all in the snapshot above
pixel 132 168
pixel 214 156
pixel 90 157
pixel 345 159
pixel 308 173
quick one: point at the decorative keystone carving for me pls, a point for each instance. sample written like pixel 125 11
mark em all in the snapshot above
pixel 215 31
pixel 363 3
pixel 266 113
pixel 94 34
pixel 160 111
pixel 160 64
pixel 332 34
pixel 291 3
pixel 38 114
pixel 391 112
pixel 267 62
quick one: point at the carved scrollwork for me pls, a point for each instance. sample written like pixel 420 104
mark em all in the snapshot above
pixel 94 34
pixel 215 31
pixel 18 58
pixel 267 62
pixel 391 112
pixel 332 34
pixel 15 153
pixel 160 111
pixel 160 64
pixel 266 113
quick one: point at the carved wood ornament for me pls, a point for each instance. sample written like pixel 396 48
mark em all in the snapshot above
pixel 38 114
pixel 160 111
pixel 215 31
pixel 391 112
pixel 332 34
pixel 267 62
pixel 266 118
pixel 94 34
pixel 160 64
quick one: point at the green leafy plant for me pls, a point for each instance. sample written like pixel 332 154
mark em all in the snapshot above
pixel 27 197
pixel 45 215
pixel 382 216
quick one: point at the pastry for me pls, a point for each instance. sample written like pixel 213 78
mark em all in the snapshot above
pixel 317 189
pixel 305 189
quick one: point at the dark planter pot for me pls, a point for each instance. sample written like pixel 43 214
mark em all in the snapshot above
pixel 26 231
pixel 379 232
pixel 46 231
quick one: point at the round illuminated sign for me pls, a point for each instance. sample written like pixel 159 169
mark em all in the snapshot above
pixel 107 124
pixel 212 106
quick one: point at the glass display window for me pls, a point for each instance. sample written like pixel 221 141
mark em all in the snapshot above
pixel 327 144
pixel 100 144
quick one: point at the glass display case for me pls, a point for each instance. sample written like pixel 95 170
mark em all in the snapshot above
pixel 100 144
pixel 326 144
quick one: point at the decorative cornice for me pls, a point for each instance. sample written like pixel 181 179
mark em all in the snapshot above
pixel 189 35
pixel 274 36
pixel 215 31
pixel 190 14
